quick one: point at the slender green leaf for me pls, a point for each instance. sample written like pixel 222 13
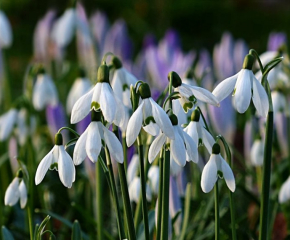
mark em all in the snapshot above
pixel 6 234
pixel 76 231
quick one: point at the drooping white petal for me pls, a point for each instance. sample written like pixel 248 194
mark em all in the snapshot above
pixel 66 168
pixel 260 98
pixel 132 168
pixel 107 102
pixel 82 107
pixel 257 153
pixel 93 143
pixel 44 166
pixel 114 145
pixel 5 31
pixel 202 94
pixel 134 125
pixel 207 140
pixel 162 119
pixel 23 194
pixel 175 169
pixel 7 122
pixel 80 149
pixel 209 174
pixel 12 193
pixel 152 128
pixel 177 149
pixel 191 148
pixel 225 88
pixel 228 174
pixel 284 193
pixel 156 147
pixel 122 115
pixel 192 131
pixel 117 84
pixel 243 90
pixel 134 189
pixel 153 177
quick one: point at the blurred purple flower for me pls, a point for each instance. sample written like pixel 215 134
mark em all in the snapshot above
pixel 240 51
pixel 181 181
pixel 83 124
pixel 55 117
pixel 276 39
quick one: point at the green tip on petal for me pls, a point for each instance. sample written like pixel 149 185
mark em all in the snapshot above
pixel 19 173
pixel 117 62
pixel 216 149
pixel 187 106
pixel 173 119
pixel 103 74
pixel 58 139
pixel 95 105
pixel 41 70
pixel 96 116
pixel 248 62
pixel 176 80
pixel 195 116
pixel 144 90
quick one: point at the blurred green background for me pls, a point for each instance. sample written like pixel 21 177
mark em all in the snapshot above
pixel 199 22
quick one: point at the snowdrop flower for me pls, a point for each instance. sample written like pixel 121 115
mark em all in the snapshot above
pixel 245 86
pixel 284 194
pixel 189 94
pixel 80 87
pixel 121 82
pixel 182 148
pixel 101 97
pixel 198 133
pixel 5 31
pixel 90 142
pixel 215 168
pixel 151 114
pixel 59 160
pixel 44 91
pixel 133 168
pixel 7 122
pixel 153 178
pixel 134 190
pixel 63 30
pixel 279 102
pixel 257 153
pixel 15 191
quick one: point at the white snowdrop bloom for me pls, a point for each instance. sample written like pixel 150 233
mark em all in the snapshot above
pixel 151 114
pixel 134 190
pixel 121 82
pixel 190 94
pixel 44 91
pixel 79 88
pixel 215 168
pixel 133 168
pixel 276 77
pixel 5 31
pixel 101 97
pixel 279 102
pixel 153 178
pixel 257 153
pixel 59 160
pixel 90 142
pixel 24 127
pixel 198 133
pixel 284 194
pixel 245 87
pixel 182 148
pixel 15 191
pixel 7 121
pixel 64 28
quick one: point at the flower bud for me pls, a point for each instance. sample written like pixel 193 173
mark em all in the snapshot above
pixel 58 139
pixel 144 90
pixel 103 74
pixel 248 62
pixel 195 116
pixel 216 149
pixel 173 119
pixel 117 62
pixel 176 80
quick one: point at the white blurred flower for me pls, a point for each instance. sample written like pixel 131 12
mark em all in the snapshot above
pixel 44 92
pixel 284 194
pixel 257 153
pixel 245 87
pixel 15 191
pixel 279 102
pixel 133 168
pixel 153 178
pixel 5 31
pixel 7 121
pixel 57 159
pixel 215 166
pixel 90 142
pixel 135 190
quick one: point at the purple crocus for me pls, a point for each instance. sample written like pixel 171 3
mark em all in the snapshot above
pixel 276 39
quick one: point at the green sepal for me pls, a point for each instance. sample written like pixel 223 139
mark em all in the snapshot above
pixel 187 106
pixel 148 120
pixel 95 105
pixel 58 139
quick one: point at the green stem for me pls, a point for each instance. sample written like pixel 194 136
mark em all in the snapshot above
pixel 114 193
pixel 266 178
pixel 30 221
pixel 71 130
pixel 143 187
pixel 253 52
pixel 125 153
pixel 217 215
pixel 186 211
pixel 99 199
pixel 160 193
pixel 165 198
